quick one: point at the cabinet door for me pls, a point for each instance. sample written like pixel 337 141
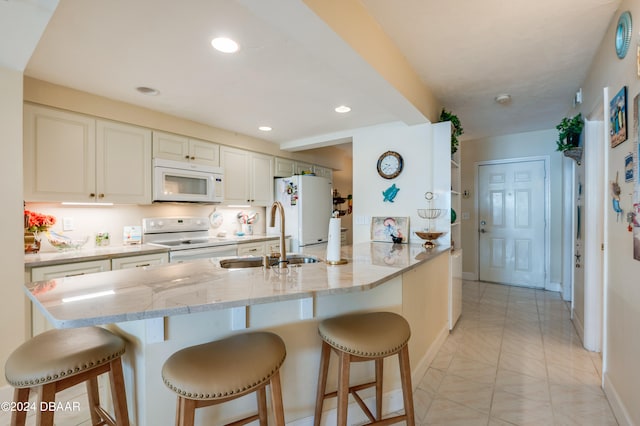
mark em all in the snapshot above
pixel 261 185
pixel 139 261
pixel 59 155
pixel 170 147
pixel 123 163
pixel 323 171
pixel 203 152
pixel 303 167
pixel 236 175
pixel 284 167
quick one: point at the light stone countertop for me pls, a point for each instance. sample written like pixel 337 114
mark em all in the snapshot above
pixel 86 254
pixel 202 285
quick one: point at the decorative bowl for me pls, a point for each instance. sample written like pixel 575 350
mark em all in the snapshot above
pixel 63 242
pixel 429 235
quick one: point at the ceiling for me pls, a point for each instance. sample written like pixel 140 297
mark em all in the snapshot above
pixel 292 70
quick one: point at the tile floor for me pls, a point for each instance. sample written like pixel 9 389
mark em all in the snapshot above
pixel 514 358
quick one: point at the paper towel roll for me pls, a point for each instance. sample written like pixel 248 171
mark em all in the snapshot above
pixel 333 244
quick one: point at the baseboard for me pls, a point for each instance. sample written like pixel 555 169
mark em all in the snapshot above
pixel 391 401
pixel 579 327
pixel 554 286
pixel 618 407
pixel 470 276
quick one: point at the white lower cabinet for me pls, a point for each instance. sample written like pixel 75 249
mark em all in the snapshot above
pixel 139 261
pixel 39 323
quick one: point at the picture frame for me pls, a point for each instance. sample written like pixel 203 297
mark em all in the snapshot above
pixel 618 118
pixel 628 167
pixel 390 229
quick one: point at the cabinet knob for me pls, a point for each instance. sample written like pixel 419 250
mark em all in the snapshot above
pixel 92 195
pixel 193 158
pixel 186 157
pixel 101 196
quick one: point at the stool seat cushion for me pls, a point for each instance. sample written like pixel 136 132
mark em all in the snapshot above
pixel 224 368
pixel 367 335
pixel 57 354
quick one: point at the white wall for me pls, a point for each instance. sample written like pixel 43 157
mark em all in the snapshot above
pixel 415 144
pixel 13 325
pixel 521 145
pixel 622 292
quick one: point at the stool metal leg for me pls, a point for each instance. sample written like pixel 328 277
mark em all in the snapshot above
pixel 343 387
pixel 407 389
pixel 322 382
pixel 20 396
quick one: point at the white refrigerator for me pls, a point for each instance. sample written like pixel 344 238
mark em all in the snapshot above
pixel 308 204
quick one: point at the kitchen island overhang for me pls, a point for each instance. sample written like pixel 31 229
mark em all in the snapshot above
pixel 196 299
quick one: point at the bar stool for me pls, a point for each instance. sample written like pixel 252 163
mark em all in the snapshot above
pixel 58 359
pixel 359 337
pixel 223 370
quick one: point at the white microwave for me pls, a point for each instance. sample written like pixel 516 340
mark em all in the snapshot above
pixel 185 182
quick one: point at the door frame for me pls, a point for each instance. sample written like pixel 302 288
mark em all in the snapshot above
pixel 547 212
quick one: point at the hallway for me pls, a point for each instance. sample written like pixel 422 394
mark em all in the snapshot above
pixel 514 358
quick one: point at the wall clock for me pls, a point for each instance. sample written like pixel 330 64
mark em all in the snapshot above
pixel 623 34
pixel 390 164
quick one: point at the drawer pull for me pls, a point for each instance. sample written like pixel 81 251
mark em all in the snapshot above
pixel 74 275
pixel 142 265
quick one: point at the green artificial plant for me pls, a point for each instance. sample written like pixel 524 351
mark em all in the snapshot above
pixel 456 128
pixel 569 131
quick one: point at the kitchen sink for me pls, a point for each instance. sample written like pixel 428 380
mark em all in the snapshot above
pixel 255 261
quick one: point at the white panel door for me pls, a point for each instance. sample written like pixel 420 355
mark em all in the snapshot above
pixel 511 205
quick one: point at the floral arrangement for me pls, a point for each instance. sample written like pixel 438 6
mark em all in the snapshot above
pixel 37 222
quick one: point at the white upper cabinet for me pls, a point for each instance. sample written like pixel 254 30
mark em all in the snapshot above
pixel 248 177
pixel 284 167
pixel 182 148
pixel 302 168
pixel 323 171
pixel 73 157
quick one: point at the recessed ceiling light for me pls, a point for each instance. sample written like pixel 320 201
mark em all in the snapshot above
pixel 150 91
pixel 342 109
pixel 265 128
pixel 503 99
pixel 225 45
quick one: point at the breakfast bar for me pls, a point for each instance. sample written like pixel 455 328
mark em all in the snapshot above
pixel 162 309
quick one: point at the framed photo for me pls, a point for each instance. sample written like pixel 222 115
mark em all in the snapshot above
pixel 390 229
pixel 618 117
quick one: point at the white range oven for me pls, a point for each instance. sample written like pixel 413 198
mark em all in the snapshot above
pixel 186 237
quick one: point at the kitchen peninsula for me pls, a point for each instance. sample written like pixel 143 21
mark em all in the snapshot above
pixel 162 309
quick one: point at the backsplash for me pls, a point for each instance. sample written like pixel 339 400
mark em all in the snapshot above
pixel 89 220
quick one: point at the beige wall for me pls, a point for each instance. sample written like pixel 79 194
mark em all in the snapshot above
pixel 13 329
pixel 522 145
pixel 622 294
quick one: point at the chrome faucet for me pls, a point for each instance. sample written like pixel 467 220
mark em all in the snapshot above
pixel 277 205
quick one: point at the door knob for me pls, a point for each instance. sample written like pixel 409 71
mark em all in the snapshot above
pixel 482 230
